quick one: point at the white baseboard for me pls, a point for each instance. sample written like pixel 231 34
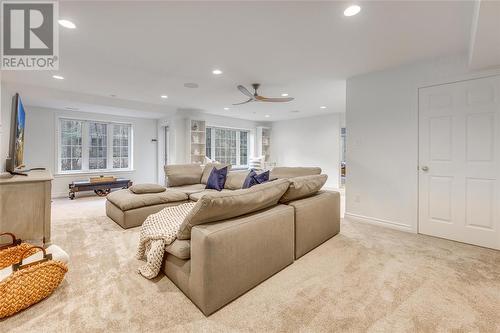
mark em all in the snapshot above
pixel 380 222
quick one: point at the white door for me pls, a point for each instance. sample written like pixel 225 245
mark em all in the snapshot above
pixel 459 155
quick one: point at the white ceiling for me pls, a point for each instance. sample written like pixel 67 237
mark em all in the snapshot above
pixel 141 50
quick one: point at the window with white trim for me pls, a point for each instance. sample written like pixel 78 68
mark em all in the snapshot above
pixel 92 146
pixel 71 145
pixel 121 148
pixel 226 145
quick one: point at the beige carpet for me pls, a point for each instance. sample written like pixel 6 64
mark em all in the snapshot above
pixel 365 279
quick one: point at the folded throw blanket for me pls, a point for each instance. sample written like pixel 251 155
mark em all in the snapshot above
pixel 158 231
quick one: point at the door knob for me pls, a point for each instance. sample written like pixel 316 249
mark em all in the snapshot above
pixel 425 168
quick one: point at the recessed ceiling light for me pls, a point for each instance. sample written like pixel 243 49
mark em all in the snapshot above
pixel 322 107
pixel 267 116
pixel 70 108
pixel 67 24
pixel 164 96
pixel 226 109
pixel 217 72
pixel 284 94
pixel 58 77
pixel 352 10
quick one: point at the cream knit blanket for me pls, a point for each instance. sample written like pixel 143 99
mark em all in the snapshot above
pixel 158 231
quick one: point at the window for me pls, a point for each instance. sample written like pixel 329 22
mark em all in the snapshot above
pixel 121 135
pixel 98 146
pixel 227 145
pixel 71 145
pixel 94 146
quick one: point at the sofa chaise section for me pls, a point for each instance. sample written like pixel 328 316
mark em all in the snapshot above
pixel 237 240
pixel 129 209
pixel 230 257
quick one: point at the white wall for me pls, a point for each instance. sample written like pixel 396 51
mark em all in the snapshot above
pixel 313 141
pixel 1 128
pixel 40 146
pixel 5 115
pixel 382 139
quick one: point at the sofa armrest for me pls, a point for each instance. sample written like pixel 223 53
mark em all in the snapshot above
pixel 230 257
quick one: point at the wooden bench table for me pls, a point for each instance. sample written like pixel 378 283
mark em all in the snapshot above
pixel 100 188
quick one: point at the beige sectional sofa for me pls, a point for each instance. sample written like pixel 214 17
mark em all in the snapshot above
pixel 129 209
pixel 234 239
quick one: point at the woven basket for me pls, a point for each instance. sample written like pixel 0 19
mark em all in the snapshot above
pixel 9 254
pixel 31 283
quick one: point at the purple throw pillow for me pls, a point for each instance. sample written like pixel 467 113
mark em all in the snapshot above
pixel 261 178
pixel 249 181
pixel 217 179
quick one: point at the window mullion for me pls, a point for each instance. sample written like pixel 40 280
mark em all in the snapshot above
pixel 109 146
pixel 130 148
pixel 238 156
pixel 213 143
pixel 85 146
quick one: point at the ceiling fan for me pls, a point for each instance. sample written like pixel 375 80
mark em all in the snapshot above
pixel 255 97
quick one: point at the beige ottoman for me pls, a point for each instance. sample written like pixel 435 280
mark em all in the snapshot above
pixel 129 209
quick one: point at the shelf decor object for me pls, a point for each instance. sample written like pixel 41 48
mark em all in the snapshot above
pixel 264 144
pixel 196 141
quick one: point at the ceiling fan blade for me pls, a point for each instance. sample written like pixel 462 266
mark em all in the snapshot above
pixel 245 102
pixel 276 100
pixel 245 91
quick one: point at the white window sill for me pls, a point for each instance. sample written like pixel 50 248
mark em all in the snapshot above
pixel 239 168
pixel 91 173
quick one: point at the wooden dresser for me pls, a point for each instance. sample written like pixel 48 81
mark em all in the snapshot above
pixel 25 206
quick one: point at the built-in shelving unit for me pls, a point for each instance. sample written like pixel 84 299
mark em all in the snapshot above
pixel 264 143
pixel 196 140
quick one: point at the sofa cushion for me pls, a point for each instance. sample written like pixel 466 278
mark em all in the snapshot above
pixel 190 189
pixel 183 174
pixel 180 248
pixel 217 179
pixel 147 188
pixel 235 180
pixel 208 169
pixel 196 196
pixel 224 205
pixel 291 172
pixel 302 187
pixel 126 199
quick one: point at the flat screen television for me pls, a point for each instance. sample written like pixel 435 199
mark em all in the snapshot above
pixel 16 160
